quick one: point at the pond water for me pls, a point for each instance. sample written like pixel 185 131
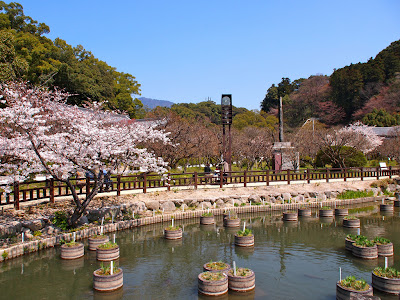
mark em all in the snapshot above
pixel 298 260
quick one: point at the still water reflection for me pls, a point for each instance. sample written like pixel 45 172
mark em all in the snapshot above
pixel 298 260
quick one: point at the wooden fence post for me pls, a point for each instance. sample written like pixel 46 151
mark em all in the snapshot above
pixel 87 186
pixel 51 190
pixel 308 175
pixel 144 183
pixel 328 174
pixel 16 195
pixel 169 182
pixel 267 177
pixel 195 180
pixel 345 175
pixel 221 179
pixel 118 185
pixel 362 174
pixel 390 172
pixel 377 173
pixel 245 178
pixel 288 176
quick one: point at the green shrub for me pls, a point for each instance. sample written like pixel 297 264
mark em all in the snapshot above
pixel 352 158
pixel 354 194
pixel 61 220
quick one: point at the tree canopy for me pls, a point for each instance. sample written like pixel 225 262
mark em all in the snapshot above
pixel 26 54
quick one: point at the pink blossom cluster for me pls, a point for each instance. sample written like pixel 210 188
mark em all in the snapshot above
pixel 40 133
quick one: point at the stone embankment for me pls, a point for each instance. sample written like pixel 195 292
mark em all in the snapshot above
pixel 131 211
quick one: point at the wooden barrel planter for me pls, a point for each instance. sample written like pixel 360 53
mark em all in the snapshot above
pixel 386 207
pixel 341 212
pixel 216 266
pixel 231 222
pixel 106 282
pixel 212 283
pixel 289 217
pixel 323 213
pixel 173 233
pixel 244 241
pixel 97 240
pixel 243 281
pixel 385 246
pixel 396 203
pixel 107 252
pixel 72 250
pixel 348 243
pixel 384 282
pixel 207 220
pixel 365 252
pixel 345 293
pixel 351 222
pixel 304 212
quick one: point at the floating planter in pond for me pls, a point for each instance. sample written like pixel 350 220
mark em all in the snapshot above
pixel 244 238
pixel 326 211
pixel 340 212
pixel 207 218
pixel 173 232
pixel 216 266
pixel 212 283
pixel 97 240
pixel 108 279
pixel 72 250
pixel 241 280
pixel 364 248
pixel 386 207
pixel 349 287
pixel 351 222
pixel 304 212
pixel 385 247
pixel 350 239
pixel 290 216
pixel 231 220
pixel 107 252
pixel 386 280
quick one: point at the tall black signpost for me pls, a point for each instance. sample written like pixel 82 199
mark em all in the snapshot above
pixel 226 117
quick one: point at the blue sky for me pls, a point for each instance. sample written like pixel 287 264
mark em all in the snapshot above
pixel 187 51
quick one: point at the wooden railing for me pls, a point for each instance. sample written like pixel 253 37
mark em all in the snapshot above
pixel 50 189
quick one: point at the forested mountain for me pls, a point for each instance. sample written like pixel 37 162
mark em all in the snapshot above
pixel 26 54
pixel 368 91
pixel 153 103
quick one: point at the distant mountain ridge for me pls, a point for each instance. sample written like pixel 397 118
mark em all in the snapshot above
pixel 153 103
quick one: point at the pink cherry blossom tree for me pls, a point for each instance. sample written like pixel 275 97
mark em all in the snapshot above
pixel 41 134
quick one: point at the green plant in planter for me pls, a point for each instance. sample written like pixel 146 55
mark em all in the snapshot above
pixel 350 218
pixel 246 232
pixel 207 214
pixel 108 245
pixel 98 236
pixel 216 265
pixel 364 243
pixel 243 272
pixel 232 215
pixel 326 207
pixel 381 241
pixel 173 228
pixel 106 270
pixel 351 282
pixel 212 276
pixel 388 272
pixel 71 244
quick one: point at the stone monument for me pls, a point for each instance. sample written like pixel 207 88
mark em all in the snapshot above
pixel 285 158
